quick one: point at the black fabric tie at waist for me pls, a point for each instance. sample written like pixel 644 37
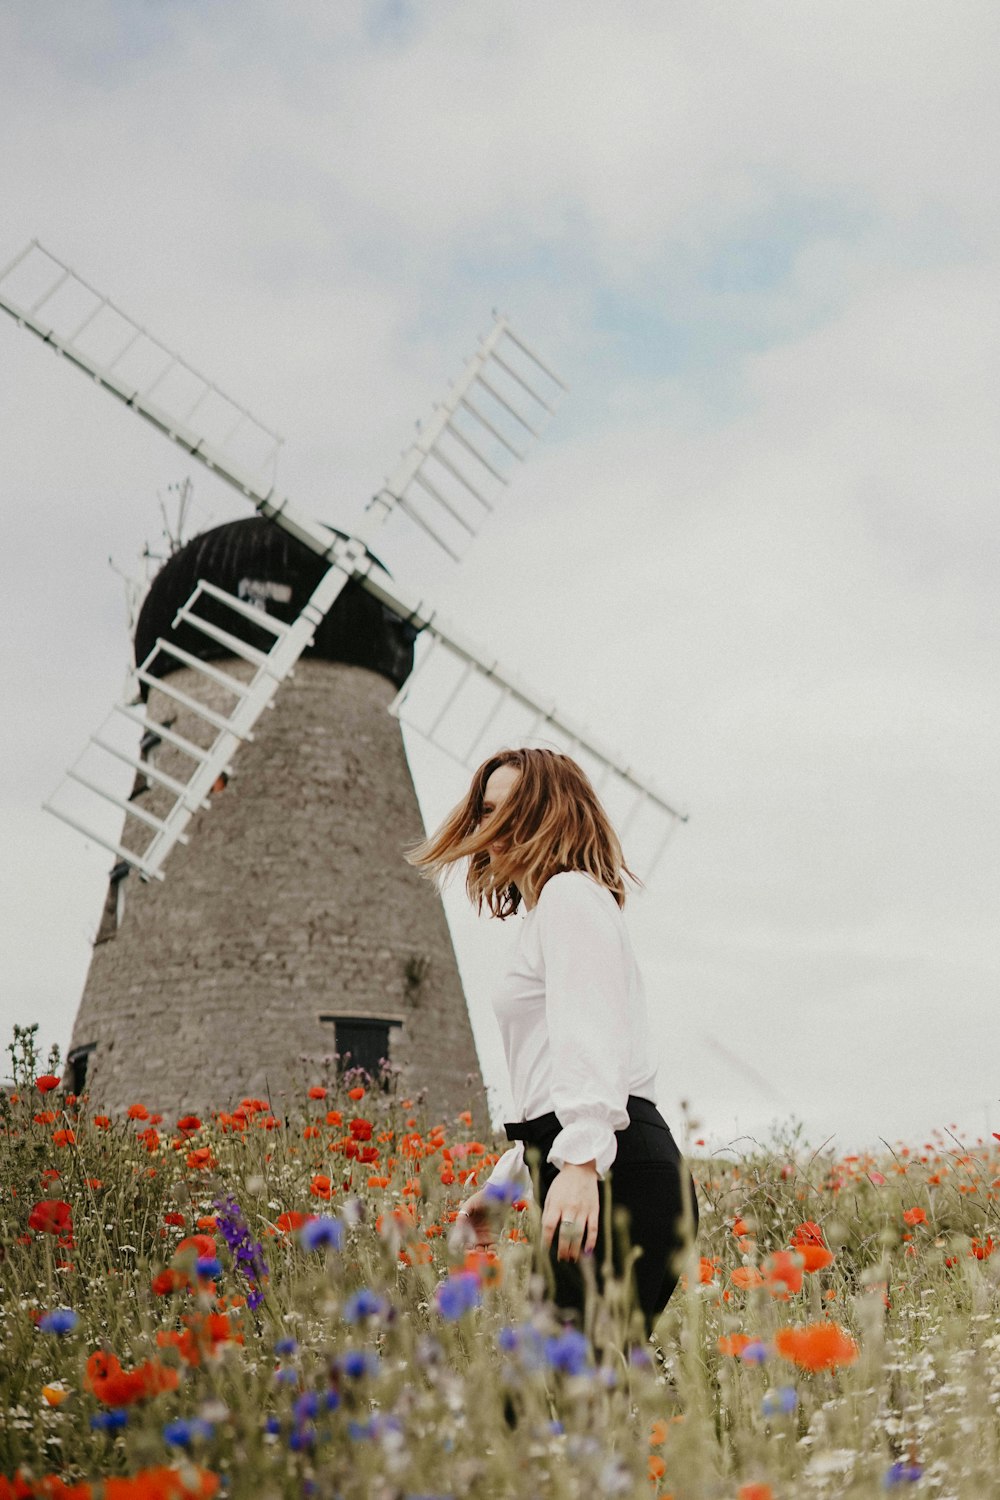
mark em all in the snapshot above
pixel 550 1124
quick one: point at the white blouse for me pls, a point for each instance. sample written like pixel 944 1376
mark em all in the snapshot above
pixel 572 1014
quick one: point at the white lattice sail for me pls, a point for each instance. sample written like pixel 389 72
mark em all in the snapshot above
pixel 447 482
pixel 86 327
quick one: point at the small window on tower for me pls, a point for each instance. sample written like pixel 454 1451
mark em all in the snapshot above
pixel 362 1042
pixel 77 1063
pixel 114 905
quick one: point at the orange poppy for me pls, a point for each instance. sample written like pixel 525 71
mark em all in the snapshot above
pixel 746 1277
pixel 816 1346
pixel 783 1273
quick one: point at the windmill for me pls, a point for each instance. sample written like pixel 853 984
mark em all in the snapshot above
pixel 290 925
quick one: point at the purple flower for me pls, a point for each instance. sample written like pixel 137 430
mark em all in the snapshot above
pixel 902 1473
pixel 458 1295
pixel 502 1192
pixel 321 1231
pixel 568 1351
pixel 59 1320
pixel 358 1362
pixel 363 1304
pixel 306 1407
pixel 109 1421
pixel 247 1253
pixel 754 1354
pixel 182 1432
pixel 781 1401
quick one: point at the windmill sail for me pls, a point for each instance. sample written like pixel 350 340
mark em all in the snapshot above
pixel 446 483
pixel 467 449
pixel 45 296
pixel 222 716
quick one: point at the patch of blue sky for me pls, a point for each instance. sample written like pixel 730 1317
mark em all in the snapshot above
pixel 391 22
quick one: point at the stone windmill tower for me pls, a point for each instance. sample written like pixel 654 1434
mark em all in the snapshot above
pixel 290 926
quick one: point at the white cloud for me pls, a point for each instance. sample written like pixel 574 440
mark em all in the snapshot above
pixel 760 548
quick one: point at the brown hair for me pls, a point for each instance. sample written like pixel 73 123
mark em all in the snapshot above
pixel 550 822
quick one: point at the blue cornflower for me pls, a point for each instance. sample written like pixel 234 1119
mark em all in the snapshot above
pixel 754 1353
pixel 286 1346
pixel 363 1303
pixel 332 1399
pixel 501 1192
pixel 182 1432
pixel 568 1351
pixel 508 1338
pixel 556 1429
pixel 458 1295
pixel 247 1253
pixel 108 1421
pixel 208 1265
pixel 301 1437
pixel 639 1358
pixel 286 1376
pixel 779 1401
pixel 59 1320
pixel 359 1430
pixel 273 1425
pixel 902 1473
pixel 321 1231
pixel 306 1406
pixel 358 1362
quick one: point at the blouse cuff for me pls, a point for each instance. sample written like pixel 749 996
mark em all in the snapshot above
pixel 583 1141
pixel 511 1170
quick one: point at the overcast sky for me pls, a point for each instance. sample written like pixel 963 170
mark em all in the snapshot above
pixel 758 550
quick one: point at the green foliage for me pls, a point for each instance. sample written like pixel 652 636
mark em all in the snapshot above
pixel 419 1397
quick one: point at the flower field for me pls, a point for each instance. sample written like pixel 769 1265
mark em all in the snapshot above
pixel 275 1300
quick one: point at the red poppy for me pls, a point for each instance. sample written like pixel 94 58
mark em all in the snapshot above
pixel 808 1233
pixel 174 1218
pixel 51 1216
pixel 203 1245
pixel 103 1122
pixel 733 1343
pixel 361 1129
pixel 356 1094
pixel 321 1187
pixel 317 1091
pixel 46 1082
pixel 334 1117
pixel 167 1281
pixel 291 1221
pixel 64 1137
pixel 188 1125
pixel 45 1117
pixel 915 1215
pixel 138 1112
pixel 114 1386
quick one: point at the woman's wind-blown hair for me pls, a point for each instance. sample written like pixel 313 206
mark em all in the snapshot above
pixel 551 821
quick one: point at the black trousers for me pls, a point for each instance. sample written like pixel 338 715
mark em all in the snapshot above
pixel 648 1181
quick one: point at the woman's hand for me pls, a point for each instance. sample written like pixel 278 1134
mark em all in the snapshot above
pixel 476 1221
pixel 571 1208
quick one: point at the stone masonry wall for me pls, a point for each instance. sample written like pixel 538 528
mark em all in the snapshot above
pixel 291 899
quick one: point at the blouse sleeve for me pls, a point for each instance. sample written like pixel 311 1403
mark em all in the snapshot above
pixel 510 1177
pixel 586 1012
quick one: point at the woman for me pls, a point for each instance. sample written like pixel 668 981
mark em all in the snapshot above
pixel 572 1014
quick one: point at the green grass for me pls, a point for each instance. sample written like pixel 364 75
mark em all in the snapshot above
pixel 421 1398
